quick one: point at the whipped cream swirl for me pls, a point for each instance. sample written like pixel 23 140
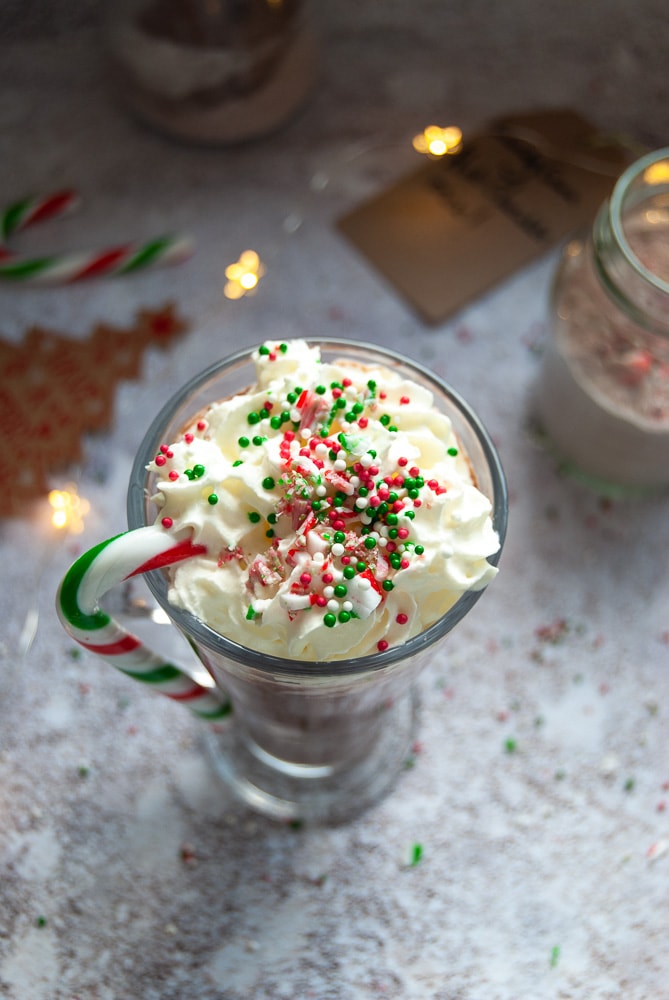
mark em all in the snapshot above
pixel 336 505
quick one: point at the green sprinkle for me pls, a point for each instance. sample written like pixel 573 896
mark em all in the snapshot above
pixel 250 614
pixel 41 921
pixel 243 442
pixel 371 385
pixel 629 784
pixel 388 585
pixel 370 542
pixel 414 494
pixel 269 533
pixel 320 389
pixel 253 417
pixel 263 349
pixel 316 504
pixel 392 428
pixel 291 397
pixel 384 419
pixel 363 491
pixel 361 566
pixel 271 517
pixel 555 956
pixel 340 590
pixel 349 572
pixel 339 537
pixel 351 417
pixel 410 514
pixel 212 499
pixel 344 616
pixel 416 855
pixel 198 471
pixel 253 516
pixel 329 620
pixel 419 549
pixel 238 462
pixel 452 452
pixel 268 483
pixel 392 519
pixel 510 745
pixel 275 422
pixel 283 348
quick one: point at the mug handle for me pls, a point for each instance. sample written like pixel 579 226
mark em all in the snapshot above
pixel 103 567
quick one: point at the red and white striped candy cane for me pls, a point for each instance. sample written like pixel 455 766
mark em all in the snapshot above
pixel 57 269
pixel 103 567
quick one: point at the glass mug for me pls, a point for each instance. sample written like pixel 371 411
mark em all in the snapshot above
pixel 295 739
pixel 603 394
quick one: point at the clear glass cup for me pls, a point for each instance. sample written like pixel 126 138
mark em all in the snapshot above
pixel 603 394
pixel 313 741
pixel 212 73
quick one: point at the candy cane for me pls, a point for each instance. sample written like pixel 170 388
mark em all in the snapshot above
pixel 101 568
pixel 66 268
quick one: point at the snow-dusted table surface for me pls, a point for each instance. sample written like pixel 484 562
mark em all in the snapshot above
pixel 539 792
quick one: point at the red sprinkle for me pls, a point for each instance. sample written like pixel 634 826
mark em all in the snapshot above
pixel 404 400
pixel 160 459
pixel 402 619
pixel 402 461
pixel 382 645
pixel 188 438
pixel 305 579
pixel 167 522
pixel 202 425
pixel 174 475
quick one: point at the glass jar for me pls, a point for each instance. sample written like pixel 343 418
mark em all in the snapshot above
pixel 212 71
pixel 603 394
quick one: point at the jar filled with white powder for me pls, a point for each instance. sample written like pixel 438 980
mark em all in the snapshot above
pixel 603 394
pixel 213 72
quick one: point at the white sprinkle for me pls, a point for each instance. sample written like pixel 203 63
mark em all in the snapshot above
pixel 339 465
pixel 295 415
pixel 347 606
pixel 321 491
pixel 354 481
pixel 333 605
pixel 366 461
pixel 328 592
pixel 305 432
pixel 361 503
pixel 338 549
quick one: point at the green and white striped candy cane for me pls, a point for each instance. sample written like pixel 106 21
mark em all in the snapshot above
pixel 103 567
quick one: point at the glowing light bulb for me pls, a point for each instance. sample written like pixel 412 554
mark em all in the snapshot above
pixel 437 142
pixel 657 173
pixel 244 275
pixel 68 509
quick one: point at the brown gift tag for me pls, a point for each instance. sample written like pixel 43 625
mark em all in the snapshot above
pixel 455 227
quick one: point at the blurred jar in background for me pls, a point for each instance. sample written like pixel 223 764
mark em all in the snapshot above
pixel 603 394
pixel 212 71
